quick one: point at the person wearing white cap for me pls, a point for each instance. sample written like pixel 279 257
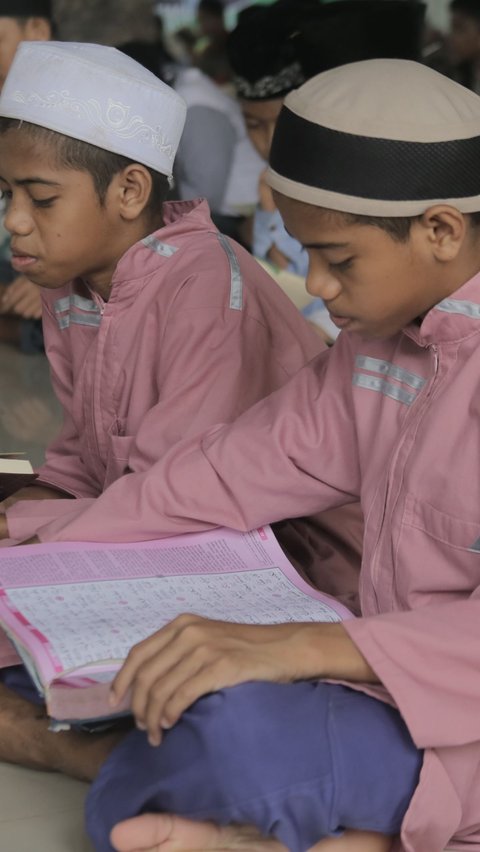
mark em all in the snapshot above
pixel 374 166
pixel 156 325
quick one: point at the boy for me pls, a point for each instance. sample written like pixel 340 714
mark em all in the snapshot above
pixel 464 42
pixel 20 302
pixel 375 171
pixel 156 325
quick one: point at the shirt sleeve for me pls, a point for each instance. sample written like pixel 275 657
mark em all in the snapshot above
pixel 428 661
pixel 285 457
pixel 268 231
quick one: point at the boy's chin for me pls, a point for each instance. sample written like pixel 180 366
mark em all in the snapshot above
pixel 49 283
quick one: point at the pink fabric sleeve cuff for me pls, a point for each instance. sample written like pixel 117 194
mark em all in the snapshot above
pixel 26 517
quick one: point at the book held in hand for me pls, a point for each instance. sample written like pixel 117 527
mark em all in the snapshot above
pixel 73 611
pixel 15 473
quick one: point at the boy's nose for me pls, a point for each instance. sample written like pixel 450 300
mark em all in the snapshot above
pixel 322 284
pixel 16 220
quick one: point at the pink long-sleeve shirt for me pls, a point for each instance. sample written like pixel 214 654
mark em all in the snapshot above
pixel 194 332
pixel 395 423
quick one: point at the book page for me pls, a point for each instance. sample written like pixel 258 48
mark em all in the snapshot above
pixel 96 601
pixel 86 622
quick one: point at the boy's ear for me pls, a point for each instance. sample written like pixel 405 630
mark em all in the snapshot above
pixel 133 188
pixel 37 29
pixel 446 229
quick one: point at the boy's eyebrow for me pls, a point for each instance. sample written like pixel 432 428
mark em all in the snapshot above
pixel 27 181
pixel 325 245
pixel 318 245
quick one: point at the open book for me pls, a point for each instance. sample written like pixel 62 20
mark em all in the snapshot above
pixel 73 611
pixel 15 473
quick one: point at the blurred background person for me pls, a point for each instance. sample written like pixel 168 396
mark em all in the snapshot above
pixel 463 43
pixel 215 159
pixel 20 301
pixel 210 52
pixel 272 50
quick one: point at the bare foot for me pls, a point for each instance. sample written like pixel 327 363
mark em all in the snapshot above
pixel 26 740
pixel 355 841
pixel 168 833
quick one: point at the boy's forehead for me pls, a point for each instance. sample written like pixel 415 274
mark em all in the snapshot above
pixel 319 219
pixel 26 158
pixel 379 138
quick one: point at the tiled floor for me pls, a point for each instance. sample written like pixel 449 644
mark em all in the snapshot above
pixel 39 812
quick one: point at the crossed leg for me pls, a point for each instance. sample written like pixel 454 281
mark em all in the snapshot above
pixel 26 740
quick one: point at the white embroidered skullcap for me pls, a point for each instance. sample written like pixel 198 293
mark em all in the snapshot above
pixel 384 137
pixel 98 95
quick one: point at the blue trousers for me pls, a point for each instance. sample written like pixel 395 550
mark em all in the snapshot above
pixel 300 761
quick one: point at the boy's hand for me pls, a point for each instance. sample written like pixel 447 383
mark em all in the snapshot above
pixel 22 298
pixel 3 526
pixel 34 492
pixel 33 540
pixel 193 656
pixel 265 195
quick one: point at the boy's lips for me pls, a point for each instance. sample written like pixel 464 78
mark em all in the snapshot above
pixel 340 322
pixel 20 260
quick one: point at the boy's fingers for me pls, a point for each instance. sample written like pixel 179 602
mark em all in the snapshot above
pixel 162 675
pixel 127 674
pixel 137 657
pixel 24 298
pixel 177 689
pixel 3 526
pixel 144 651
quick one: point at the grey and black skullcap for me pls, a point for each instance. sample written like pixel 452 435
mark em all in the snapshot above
pixel 262 50
pixel 274 49
pixel 384 137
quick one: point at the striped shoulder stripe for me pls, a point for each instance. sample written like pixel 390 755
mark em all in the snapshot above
pixel 156 245
pixel 236 282
pixel 76 310
pixel 457 306
pixel 393 381
pixel 386 368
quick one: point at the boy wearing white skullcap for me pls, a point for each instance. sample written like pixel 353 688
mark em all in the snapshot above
pixel 375 171
pixel 156 325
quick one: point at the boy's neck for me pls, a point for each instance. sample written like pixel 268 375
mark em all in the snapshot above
pixel 102 283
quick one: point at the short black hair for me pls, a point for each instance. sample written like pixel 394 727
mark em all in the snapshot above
pixel 397 227
pixel 467 7
pixel 102 165
pixel 211 7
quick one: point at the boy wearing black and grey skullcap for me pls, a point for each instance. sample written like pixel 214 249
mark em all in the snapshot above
pixel 374 168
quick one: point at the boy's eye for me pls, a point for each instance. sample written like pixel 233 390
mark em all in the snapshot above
pixel 44 202
pixel 5 194
pixel 342 265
